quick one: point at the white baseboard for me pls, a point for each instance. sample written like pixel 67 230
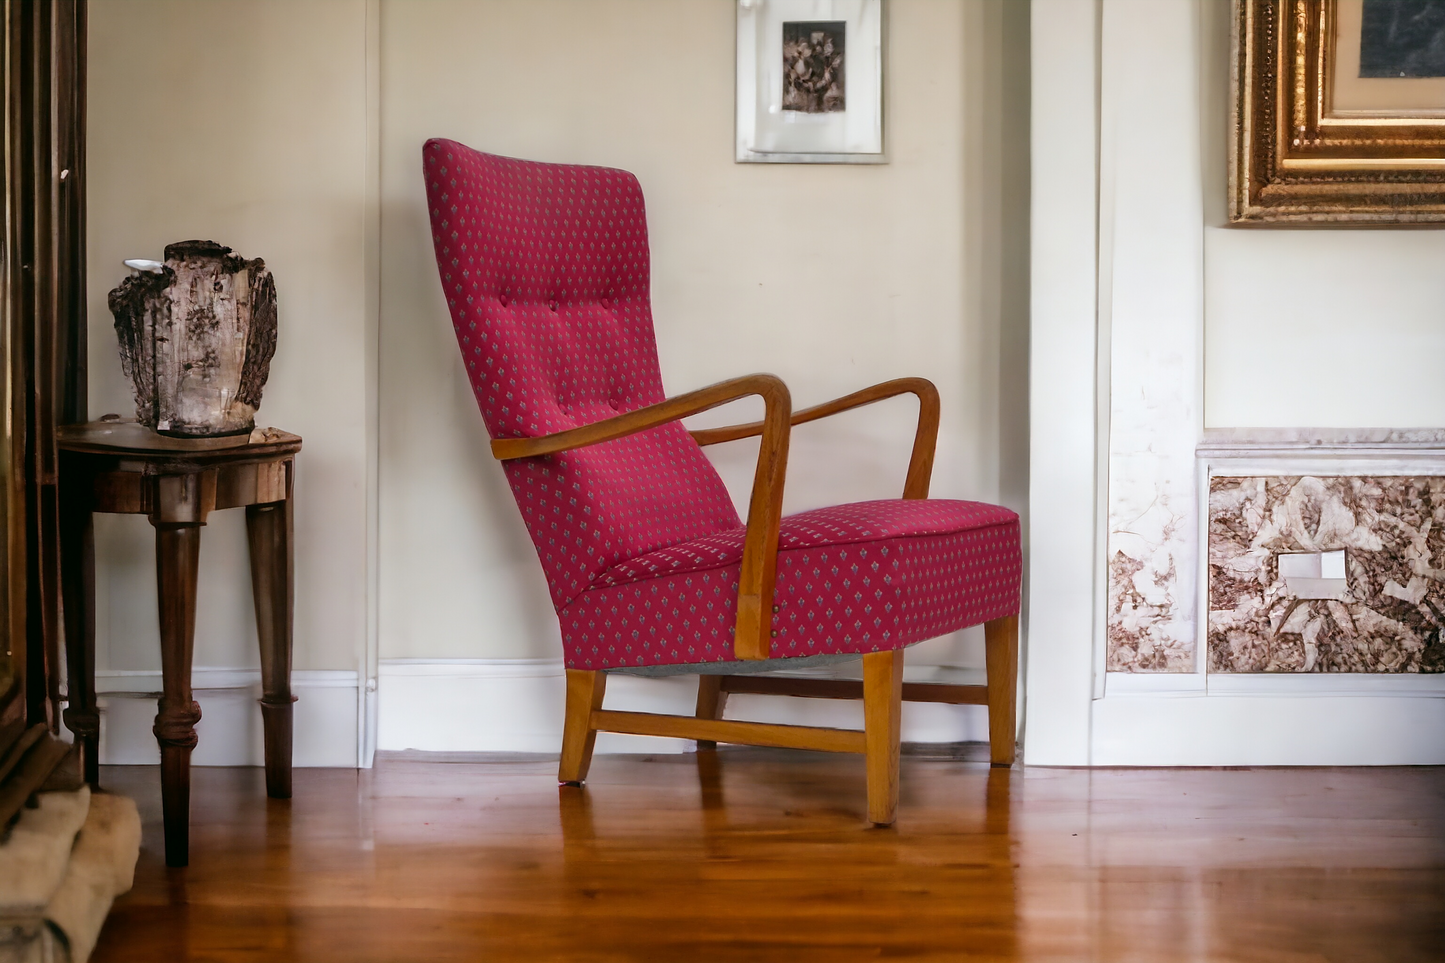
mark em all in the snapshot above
pixel 502 705
pixel 1272 685
pixel 516 705
pixel 324 731
pixel 1252 729
pixel 1402 685
pixel 1269 719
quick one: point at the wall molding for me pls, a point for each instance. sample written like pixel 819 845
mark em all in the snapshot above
pixel 1057 662
pixel 1281 729
pixel 144 682
pixel 325 730
pixel 1282 685
pixel 516 705
pixel 1328 684
pixel 1292 443
pixel 1153 684
pixel 454 705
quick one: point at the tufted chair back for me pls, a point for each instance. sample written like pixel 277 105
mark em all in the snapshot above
pixel 545 269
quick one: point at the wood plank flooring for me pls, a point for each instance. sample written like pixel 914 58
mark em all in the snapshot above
pixel 749 854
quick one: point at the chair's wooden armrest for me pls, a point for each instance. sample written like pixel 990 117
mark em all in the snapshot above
pixel 752 638
pixel 632 422
pixel 925 438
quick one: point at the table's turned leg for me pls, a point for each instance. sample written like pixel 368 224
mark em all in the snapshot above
pixel 178 552
pixel 268 528
pixel 77 588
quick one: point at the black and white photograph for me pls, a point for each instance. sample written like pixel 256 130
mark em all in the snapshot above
pixel 814 66
pixel 810 78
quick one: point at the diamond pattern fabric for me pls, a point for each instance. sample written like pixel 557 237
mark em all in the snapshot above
pixel 546 274
pixel 865 577
pixel 545 269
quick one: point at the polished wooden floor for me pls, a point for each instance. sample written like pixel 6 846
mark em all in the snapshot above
pixel 749 854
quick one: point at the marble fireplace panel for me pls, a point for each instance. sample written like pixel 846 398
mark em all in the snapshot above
pixel 1388 613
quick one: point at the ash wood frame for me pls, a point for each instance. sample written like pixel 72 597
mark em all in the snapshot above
pixel 1292 159
pixel 882 687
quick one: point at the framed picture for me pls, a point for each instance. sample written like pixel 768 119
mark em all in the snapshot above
pixel 810 82
pixel 1338 112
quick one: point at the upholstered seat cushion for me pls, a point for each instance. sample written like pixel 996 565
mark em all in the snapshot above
pixel 865 577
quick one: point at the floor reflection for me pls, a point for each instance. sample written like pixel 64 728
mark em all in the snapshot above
pixel 758 855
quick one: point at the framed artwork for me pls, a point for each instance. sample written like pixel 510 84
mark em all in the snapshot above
pixel 1337 112
pixel 810 82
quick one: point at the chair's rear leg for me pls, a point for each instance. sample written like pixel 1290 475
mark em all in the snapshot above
pixel 1001 642
pixel 882 726
pixel 711 701
pixel 584 694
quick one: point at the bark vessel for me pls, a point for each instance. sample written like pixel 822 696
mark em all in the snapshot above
pixel 196 339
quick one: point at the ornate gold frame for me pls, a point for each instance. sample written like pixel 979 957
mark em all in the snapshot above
pixel 1293 158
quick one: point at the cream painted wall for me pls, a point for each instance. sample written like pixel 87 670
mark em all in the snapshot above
pixel 242 122
pixel 1312 328
pixel 1335 329
pixel 833 277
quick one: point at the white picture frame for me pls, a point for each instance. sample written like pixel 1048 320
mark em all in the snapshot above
pixel 825 106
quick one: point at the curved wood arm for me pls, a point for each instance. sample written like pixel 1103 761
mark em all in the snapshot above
pixel 752 637
pixel 925 439
pixel 632 422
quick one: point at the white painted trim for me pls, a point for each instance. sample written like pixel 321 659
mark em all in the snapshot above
pixel 1275 719
pixel 1297 685
pixel 366 705
pixel 516 705
pixel 1236 464
pixel 1127 684
pixel 1242 730
pixel 1233 453
pixel 1063 412
pixel 1294 442
pixel 325 728
pixel 1278 685
pixel 1106 196
pixel 473 668
pixel 139 682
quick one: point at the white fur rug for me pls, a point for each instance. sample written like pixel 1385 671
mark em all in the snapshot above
pixel 61 867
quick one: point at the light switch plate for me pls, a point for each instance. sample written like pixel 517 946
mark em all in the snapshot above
pixel 1314 575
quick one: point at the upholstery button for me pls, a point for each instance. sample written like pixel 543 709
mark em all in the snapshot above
pixel 503 299
pixel 552 304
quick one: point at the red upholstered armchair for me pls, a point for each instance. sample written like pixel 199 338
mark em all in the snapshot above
pixel 545 269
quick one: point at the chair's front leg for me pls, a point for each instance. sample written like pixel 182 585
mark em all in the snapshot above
pixel 584 695
pixel 1001 645
pixel 882 727
pixel 711 701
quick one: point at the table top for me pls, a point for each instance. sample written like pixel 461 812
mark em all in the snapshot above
pixel 131 438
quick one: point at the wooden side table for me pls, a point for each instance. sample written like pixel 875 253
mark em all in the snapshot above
pixel 123 467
